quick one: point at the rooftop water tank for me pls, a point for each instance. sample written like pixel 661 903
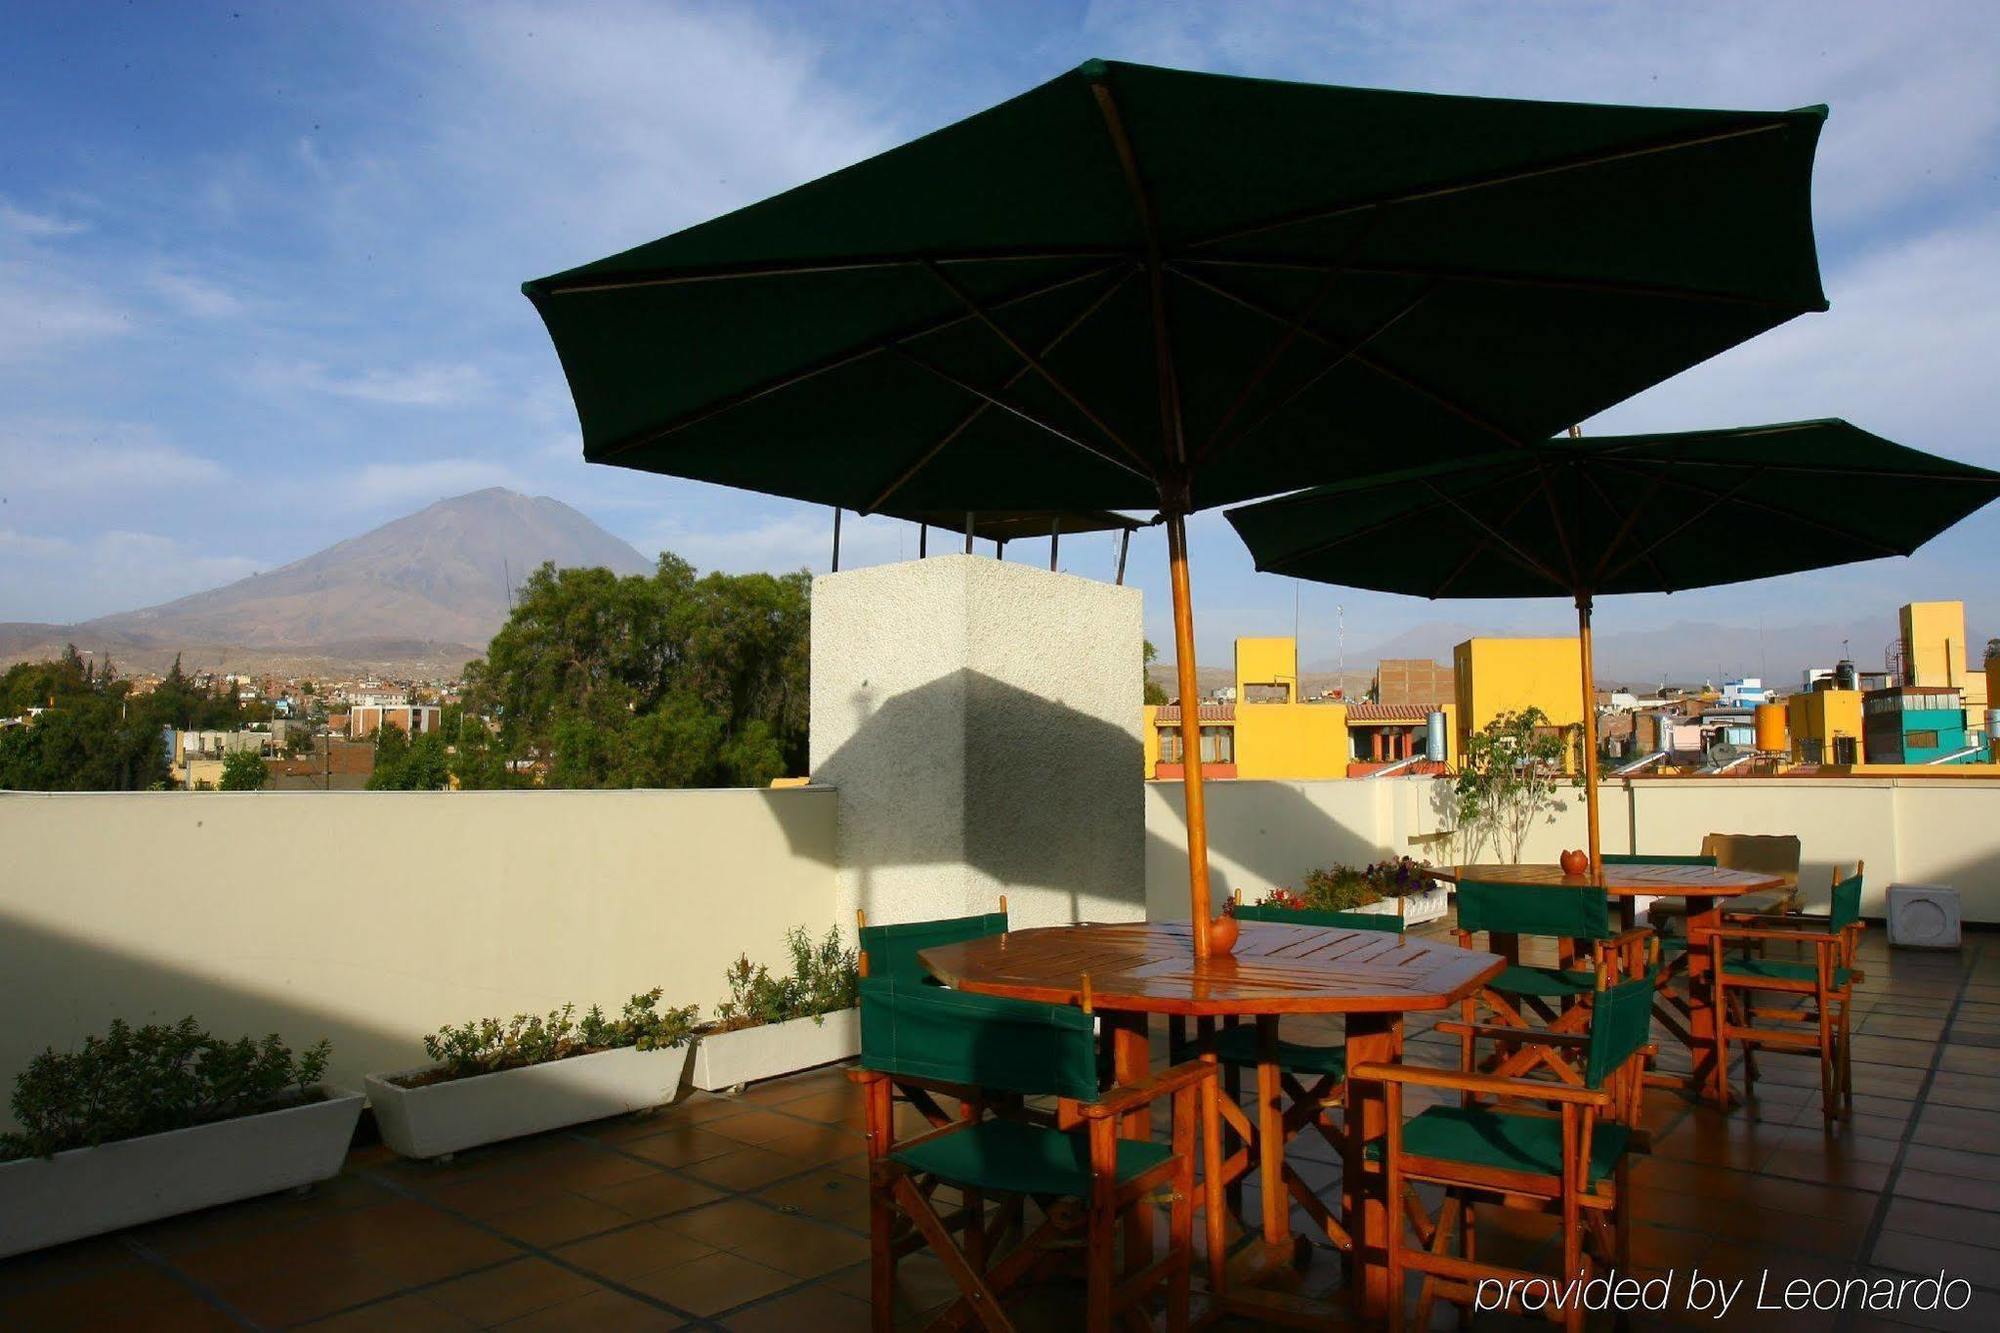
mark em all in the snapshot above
pixel 1771 734
pixel 1434 737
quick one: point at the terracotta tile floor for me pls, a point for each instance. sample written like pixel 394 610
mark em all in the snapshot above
pixel 749 1213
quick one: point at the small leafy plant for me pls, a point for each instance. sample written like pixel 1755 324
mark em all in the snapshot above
pixel 148 1080
pixel 489 1045
pixel 1400 877
pixel 825 978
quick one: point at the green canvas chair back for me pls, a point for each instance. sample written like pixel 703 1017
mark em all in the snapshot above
pixel 1306 917
pixel 1621 1021
pixel 1534 909
pixel 1846 909
pixel 914 1030
pixel 1636 859
pixel 892 950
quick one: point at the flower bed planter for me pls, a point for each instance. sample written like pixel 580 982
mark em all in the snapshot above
pixel 445 1117
pixel 89 1191
pixel 1416 908
pixel 723 1060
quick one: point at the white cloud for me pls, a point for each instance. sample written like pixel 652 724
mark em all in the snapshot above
pixel 383 484
pixel 195 296
pixel 38 226
pixel 42 312
pixel 420 385
pixel 63 580
pixel 73 460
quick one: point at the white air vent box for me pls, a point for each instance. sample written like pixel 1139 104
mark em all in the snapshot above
pixel 1923 916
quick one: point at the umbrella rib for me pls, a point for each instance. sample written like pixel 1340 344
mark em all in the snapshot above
pixel 923 460
pixel 1344 354
pixel 1035 363
pixel 1490 278
pixel 1015 410
pixel 1487 180
pixel 1357 355
pixel 791 268
pixel 1171 425
pixel 1716 499
pixel 1556 521
pixel 1286 337
pixel 1484 544
pixel 1497 536
pixel 715 408
pixel 1359 534
pixel 1625 529
pixel 1790 516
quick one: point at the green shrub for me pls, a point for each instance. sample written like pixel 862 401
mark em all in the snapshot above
pixel 825 979
pixel 489 1045
pixel 1337 889
pixel 136 1081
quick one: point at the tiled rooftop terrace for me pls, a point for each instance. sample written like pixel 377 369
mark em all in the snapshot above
pixel 749 1212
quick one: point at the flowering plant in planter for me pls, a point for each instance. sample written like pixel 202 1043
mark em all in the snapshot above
pixel 825 978
pixel 1336 889
pixel 1402 877
pixel 132 1082
pixel 489 1045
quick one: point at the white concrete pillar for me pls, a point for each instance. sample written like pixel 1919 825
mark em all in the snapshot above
pixel 981 722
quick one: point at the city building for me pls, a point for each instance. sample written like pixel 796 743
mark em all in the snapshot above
pixel 1259 727
pixel 1412 680
pixel 1912 724
pixel 1825 724
pixel 1498 676
pixel 365 719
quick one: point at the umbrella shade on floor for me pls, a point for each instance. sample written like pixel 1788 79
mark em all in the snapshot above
pixel 1140 288
pixel 1584 516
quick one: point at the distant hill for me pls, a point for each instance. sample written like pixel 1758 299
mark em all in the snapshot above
pixel 420 595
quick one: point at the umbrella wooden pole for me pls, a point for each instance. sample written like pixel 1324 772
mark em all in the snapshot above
pixel 1184 665
pixel 1589 738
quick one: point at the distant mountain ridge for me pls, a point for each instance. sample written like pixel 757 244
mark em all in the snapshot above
pixel 426 590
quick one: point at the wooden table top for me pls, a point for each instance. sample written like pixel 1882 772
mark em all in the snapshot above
pixel 1149 967
pixel 1668 881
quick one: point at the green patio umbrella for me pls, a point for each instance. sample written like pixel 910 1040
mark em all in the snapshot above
pixel 1581 517
pixel 1148 289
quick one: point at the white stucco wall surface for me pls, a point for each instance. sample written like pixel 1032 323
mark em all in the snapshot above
pixel 981 722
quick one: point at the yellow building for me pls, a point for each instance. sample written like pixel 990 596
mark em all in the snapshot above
pixel 1936 654
pixel 1496 676
pixel 1825 726
pixel 1265 730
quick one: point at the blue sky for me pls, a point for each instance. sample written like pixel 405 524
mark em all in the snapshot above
pixel 259 264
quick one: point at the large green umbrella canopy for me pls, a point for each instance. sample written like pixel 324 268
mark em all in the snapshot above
pixel 1139 288
pixel 1579 517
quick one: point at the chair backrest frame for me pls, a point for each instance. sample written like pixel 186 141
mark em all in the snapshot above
pixel 1559 911
pixel 933 1032
pixel 1291 916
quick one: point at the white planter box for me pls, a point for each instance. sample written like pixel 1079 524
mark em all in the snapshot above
pixel 89 1191
pixel 440 1118
pixel 725 1059
pixel 1417 908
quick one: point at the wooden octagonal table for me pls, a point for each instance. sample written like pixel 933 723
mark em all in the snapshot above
pixel 1144 968
pixel 1706 888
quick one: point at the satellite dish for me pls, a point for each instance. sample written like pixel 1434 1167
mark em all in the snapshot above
pixel 1724 753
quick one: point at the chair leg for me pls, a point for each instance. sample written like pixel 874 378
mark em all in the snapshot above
pixel 1829 1092
pixel 1100 1245
pixel 1180 1216
pixel 1468 1250
pixel 1392 1185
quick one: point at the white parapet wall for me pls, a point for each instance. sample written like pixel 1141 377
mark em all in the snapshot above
pixel 981 722
pixel 374 917
pixel 1267 834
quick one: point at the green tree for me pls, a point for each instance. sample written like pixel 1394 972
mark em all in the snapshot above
pixel 1992 649
pixel 1508 779
pixel 1154 694
pixel 244 770
pixel 91 734
pixel 667 680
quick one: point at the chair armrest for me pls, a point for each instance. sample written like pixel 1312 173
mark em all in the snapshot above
pixel 1520 1036
pixel 1454 1081
pixel 1625 937
pixel 1131 1096
pixel 1796 936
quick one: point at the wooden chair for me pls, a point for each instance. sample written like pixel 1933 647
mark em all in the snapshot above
pixel 1091 1180
pixel 1559 996
pixel 1565 1152
pixel 891 952
pixel 1824 1023
pixel 1311 1078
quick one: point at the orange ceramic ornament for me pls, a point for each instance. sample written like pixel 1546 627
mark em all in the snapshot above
pixel 1575 863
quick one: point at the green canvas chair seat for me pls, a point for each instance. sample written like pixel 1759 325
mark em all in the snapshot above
pixel 1545 982
pixel 1008 1156
pixel 1773 969
pixel 1480 1136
